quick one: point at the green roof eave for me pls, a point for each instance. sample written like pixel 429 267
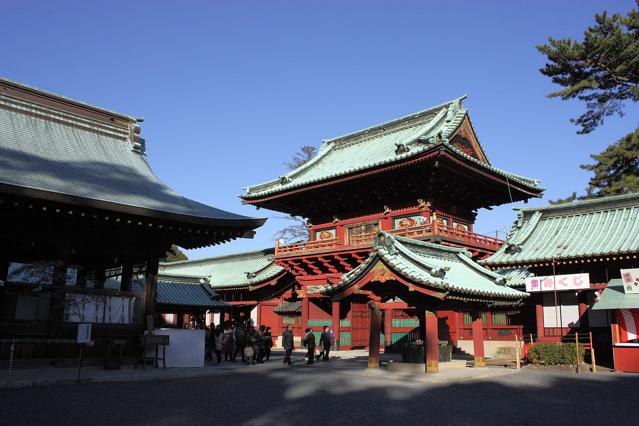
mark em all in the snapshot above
pixel 614 297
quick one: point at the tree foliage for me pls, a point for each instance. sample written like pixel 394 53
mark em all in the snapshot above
pixel 297 230
pixel 303 156
pixel 616 169
pixel 602 70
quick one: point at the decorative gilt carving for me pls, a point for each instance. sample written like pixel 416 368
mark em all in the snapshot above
pixel 380 273
pixel 423 204
pixel 387 210
pixel 335 219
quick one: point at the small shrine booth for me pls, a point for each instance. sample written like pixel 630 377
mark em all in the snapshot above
pixel 187 302
pixel 427 278
pixel 250 284
pixel 625 324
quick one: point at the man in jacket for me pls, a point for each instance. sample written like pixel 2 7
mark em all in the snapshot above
pixel 287 344
pixel 325 344
pixel 309 342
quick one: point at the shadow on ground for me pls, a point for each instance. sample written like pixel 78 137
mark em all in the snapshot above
pixel 318 394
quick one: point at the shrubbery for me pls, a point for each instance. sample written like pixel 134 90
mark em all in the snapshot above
pixel 555 353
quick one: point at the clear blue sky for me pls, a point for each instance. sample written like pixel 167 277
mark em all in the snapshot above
pixel 230 90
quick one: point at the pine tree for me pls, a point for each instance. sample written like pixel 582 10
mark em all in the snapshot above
pixel 602 70
pixel 616 169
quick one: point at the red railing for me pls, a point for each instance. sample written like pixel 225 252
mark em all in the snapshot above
pixel 421 231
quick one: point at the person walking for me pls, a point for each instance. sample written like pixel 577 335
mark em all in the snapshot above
pixel 268 342
pixel 288 345
pixel 261 344
pixel 325 344
pixel 218 342
pixel 309 342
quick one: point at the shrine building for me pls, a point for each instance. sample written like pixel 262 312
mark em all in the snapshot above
pixel 84 224
pixel 564 255
pixel 411 186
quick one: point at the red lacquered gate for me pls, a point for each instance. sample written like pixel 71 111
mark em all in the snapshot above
pixel 360 325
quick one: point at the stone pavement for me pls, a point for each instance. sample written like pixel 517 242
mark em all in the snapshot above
pixel 346 362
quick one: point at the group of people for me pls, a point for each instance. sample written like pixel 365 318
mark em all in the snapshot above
pixel 326 341
pixel 253 345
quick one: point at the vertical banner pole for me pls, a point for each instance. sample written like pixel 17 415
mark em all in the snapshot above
pixel 592 355
pixel 517 354
pixel 577 351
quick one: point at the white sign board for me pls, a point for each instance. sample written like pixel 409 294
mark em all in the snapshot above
pixel 630 279
pixel 558 282
pixel 84 333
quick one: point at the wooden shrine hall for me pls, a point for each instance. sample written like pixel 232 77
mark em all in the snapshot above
pixel 418 178
pixel 425 277
pixel 85 221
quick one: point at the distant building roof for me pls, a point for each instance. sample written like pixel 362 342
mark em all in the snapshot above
pixel 435 266
pixel 57 149
pixel 289 307
pixel 187 295
pixel 229 271
pixel 601 226
pixel 389 142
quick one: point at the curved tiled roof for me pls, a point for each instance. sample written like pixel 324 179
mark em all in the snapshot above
pixel 601 226
pixel 234 270
pixel 433 265
pixel 376 146
pixel 187 294
pixel 53 153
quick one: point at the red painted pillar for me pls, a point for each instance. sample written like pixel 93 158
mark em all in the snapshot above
pixel 478 340
pixel 373 339
pixel 335 323
pixel 539 315
pixel 388 329
pixel 305 309
pixel 583 308
pixel 431 349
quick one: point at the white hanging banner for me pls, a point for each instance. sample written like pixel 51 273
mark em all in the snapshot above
pixel 630 279
pixel 558 282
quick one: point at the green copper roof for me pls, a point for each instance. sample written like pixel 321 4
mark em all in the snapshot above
pixel 52 154
pixel 377 145
pixel 234 270
pixel 613 297
pixel 432 265
pixel 515 277
pixel 187 295
pixel 602 226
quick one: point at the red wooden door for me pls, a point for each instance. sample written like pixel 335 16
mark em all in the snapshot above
pixel 360 325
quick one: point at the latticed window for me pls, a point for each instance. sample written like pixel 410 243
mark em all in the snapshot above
pixel 291 320
pixel 500 318
pixel 468 318
pixel 358 233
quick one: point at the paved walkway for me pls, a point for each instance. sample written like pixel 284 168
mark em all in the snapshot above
pixel 346 362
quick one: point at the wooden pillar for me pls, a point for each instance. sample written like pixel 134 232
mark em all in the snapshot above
pixel 373 338
pixel 151 292
pixel 431 343
pixel 99 277
pixel 335 322
pixel 127 276
pixel 56 309
pixel 539 316
pixel 388 328
pixel 305 309
pixel 478 340
pixel 583 308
